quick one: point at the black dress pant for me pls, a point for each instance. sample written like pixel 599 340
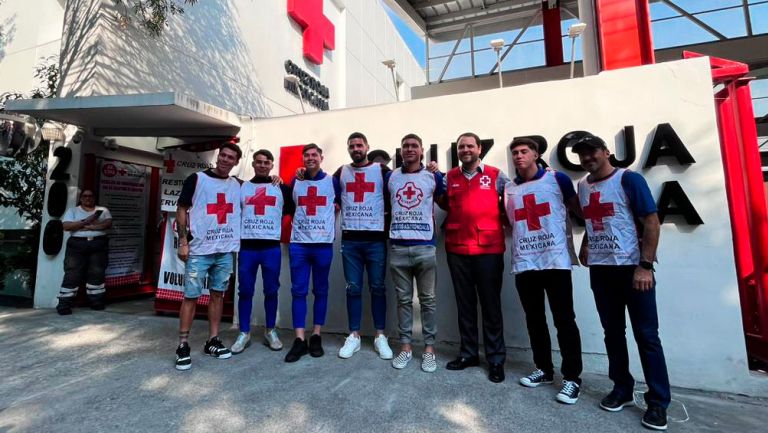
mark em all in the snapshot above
pixel 557 284
pixel 479 277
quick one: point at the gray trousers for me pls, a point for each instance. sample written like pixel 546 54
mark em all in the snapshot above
pixel 419 263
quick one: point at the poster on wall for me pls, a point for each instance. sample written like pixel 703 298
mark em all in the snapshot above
pixel 124 191
pixel 179 164
pixel 170 283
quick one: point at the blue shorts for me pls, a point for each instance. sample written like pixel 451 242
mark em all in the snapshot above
pixel 216 267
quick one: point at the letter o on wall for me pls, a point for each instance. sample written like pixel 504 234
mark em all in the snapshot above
pixel 53 237
pixel 57 199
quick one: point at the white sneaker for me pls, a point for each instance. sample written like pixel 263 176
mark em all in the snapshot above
pixel 381 345
pixel 350 347
pixel 241 343
pixel 402 359
pixel 428 362
pixel 272 340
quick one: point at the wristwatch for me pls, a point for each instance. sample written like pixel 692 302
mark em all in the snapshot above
pixel 646 265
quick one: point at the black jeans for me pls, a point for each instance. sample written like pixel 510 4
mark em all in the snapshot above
pixel 479 277
pixel 85 261
pixel 612 286
pixel 531 286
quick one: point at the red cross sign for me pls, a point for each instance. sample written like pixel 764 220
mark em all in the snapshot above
pixel 532 212
pixel 595 211
pixel 359 187
pixel 260 200
pixel 170 165
pixel 318 30
pixel 311 201
pixel 221 208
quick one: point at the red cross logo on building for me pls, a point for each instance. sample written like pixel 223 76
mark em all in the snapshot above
pixel 319 31
pixel 221 208
pixel 170 165
pixel 260 200
pixel 359 187
pixel 532 212
pixel 409 196
pixel 595 211
pixel 311 201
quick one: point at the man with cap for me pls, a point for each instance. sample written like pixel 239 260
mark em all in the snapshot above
pixel 475 244
pixel 622 234
pixel 537 203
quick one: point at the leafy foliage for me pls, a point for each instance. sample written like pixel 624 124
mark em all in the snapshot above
pixel 153 15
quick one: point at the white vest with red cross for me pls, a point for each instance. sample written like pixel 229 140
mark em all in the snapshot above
pixel 611 231
pixel 411 195
pixel 262 211
pixel 214 218
pixel 315 219
pixel 362 198
pixel 540 227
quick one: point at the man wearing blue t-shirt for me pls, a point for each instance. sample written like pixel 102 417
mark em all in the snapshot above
pixel 412 190
pixel 622 233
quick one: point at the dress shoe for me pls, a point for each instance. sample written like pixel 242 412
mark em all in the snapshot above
pixel 461 363
pixel 496 373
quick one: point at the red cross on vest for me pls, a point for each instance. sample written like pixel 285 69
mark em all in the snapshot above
pixel 311 201
pixel 531 212
pixel 410 192
pixel 595 211
pixel 319 31
pixel 260 200
pixel 359 187
pixel 170 165
pixel 221 208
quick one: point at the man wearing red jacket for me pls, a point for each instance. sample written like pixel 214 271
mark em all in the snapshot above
pixel 474 242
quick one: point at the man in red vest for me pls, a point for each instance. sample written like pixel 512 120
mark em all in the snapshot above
pixel 474 242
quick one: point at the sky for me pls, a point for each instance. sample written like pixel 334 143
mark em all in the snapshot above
pixel 669 28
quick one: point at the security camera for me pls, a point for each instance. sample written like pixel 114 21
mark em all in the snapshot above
pixel 110 144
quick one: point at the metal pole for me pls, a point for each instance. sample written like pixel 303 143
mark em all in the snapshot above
pixel 426 55
pixel 301 99
pixel 573 54
pixel 498 66
pixel 394 82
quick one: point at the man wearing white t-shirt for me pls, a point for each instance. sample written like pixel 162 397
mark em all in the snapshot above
pixel 85 259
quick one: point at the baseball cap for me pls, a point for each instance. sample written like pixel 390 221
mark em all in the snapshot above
pixel 588 142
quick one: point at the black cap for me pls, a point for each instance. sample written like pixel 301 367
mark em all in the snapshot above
pixel 378 153
pixel 588 142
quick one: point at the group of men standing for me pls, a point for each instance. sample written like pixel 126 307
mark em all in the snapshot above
pixel 377 205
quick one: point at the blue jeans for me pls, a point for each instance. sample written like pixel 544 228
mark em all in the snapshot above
pixel 612 287
pixel 358 256
pixel 216 267
pixel 305 259
pixel 248 266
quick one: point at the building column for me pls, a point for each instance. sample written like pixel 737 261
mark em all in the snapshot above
pixel 624 33
pixel 553 40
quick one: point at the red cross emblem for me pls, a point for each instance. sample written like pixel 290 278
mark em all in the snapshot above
pixel 485 181
pixel 531 212
pixel 260 200
pixel 170 165
pixel 319 31
pixel 595 211
pixel 221 208
pixel 311 201
pixel 409 196
pixel 359 187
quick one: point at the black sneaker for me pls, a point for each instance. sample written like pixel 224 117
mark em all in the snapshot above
pixel 569 394
pixel 316 346
pixel 64 307
pixel 96 302
pixel 298 350
pixel 216 348
pixel 183 360
pixel 655 418
pixel 538 377
pixel 615 402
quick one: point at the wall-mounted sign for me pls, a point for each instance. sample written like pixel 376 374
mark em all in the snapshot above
pixel 318 31
pixel 312 91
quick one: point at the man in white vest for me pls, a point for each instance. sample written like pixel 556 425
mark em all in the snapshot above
pixel 537 203
pixel 311 250
pixel 208 224
pixel 363 242
pixel 412 190
pixel 263 205
pixel 622 233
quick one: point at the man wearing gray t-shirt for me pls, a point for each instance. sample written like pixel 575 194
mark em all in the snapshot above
pixel 85 259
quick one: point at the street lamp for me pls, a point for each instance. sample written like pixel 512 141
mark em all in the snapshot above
pixel 295 80
pixel 573 32
pixel 391 65
pixel 497 45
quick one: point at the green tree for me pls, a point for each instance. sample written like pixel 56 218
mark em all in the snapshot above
pixel 153 15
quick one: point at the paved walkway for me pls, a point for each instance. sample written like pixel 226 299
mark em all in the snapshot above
pixel 113 372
